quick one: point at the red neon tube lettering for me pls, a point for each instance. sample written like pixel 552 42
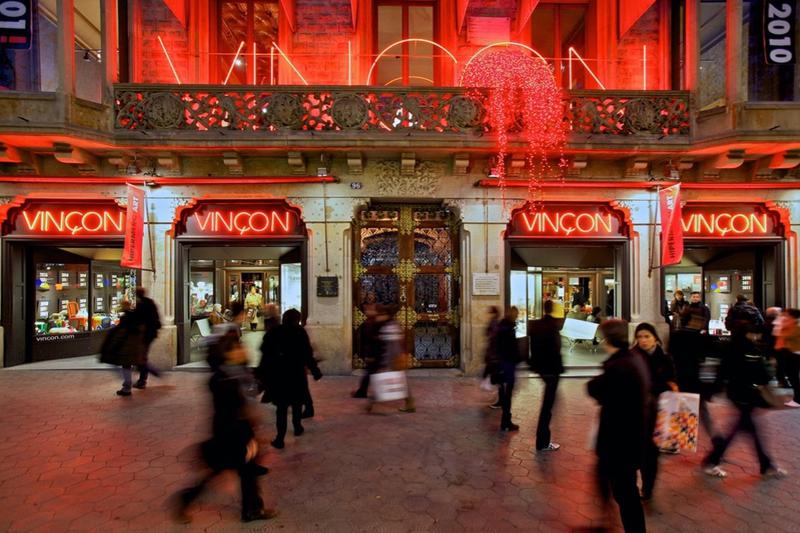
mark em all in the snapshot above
pixel 264 227
pixel 241 229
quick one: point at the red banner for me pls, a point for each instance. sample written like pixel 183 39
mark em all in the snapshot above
pixel 134 229
pixel 671 230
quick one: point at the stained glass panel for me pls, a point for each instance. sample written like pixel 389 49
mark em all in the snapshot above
pixel 432 293
pixel 379 288
pixel 433 247
pixel 432 342
pixel 379 247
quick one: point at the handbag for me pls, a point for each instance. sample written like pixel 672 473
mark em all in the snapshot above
pixel 389 386
pixel 677 421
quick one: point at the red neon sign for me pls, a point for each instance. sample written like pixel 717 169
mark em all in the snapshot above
pixel 728 222
pixel 70 221
pixel 568 221
pixel 242 220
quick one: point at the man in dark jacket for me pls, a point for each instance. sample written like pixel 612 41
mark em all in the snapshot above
pixel 508 354
pixel 623 392
pixel 285 354
pixel 147 315
pixel 545 342
pixel 743 313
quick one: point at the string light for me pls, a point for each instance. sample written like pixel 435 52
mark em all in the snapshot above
pixel 524 99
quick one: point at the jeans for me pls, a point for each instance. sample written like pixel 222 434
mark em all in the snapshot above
pixel 506 391
pixel 546 413
pixel 745 423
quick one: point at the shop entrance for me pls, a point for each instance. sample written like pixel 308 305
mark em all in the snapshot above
pixel 406 256
pixel 721 272
pixel 260 277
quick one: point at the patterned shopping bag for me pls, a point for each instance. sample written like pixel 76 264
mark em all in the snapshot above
pixel 677 422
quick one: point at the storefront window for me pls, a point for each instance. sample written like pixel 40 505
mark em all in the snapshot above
pixel 28 60
pixel 712 54
pixel 769 40
pixel 77 298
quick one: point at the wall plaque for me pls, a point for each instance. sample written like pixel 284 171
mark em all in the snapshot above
pixel 327 286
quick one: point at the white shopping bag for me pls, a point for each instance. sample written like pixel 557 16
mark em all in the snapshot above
pixel 678 421
pixel 388 386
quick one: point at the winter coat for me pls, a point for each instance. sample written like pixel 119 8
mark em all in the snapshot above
pixel 744 369
pixel 507 350
pixel 787 334
pixel 676 308
pixel 232 427
pixel 743 314
pixel 695 317
pixel 623 392
pixel 545 346
pixel 147 315
pixel 285 354
pixel 662 369
pixel 124 344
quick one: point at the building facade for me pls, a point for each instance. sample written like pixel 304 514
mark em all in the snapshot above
pixel 324 154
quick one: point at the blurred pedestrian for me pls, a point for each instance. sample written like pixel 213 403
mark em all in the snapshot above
pixel 787 346
pixel 272 316
pixel 147 315
pixel 768 341
pixel 124 346
pixel 285 354
pixel 743 312
pixel 370 349
pixel 393 356
pixel 491 368
pixel 662 379
pixel 508 353
pixel 745 370
pixel 233 445
pixel 623 392
pixel 545 347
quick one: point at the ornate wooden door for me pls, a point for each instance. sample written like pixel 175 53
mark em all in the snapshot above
pixel 407 255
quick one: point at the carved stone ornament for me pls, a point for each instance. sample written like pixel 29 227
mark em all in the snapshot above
pixel 423 182
pixel 285 110
pixel 163 111
pixel 350 111
pixel 464 112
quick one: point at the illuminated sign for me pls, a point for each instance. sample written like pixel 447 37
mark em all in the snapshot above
pixel 15 24
pixel 250 219
pixel 729 221
pixel 567 221
pixel 71 220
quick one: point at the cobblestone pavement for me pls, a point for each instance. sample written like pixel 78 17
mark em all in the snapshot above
pixel 73 456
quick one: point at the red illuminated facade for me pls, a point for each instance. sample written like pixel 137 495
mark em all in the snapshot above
pixel 338 153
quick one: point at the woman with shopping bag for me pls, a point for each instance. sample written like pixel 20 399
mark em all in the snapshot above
pixel 390 381
pixel 662 379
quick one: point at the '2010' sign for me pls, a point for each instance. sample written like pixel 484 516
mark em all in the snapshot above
pixel 779 32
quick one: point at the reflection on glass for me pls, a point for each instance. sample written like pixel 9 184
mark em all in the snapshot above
pixel 379 288
pixel 379 247
pixel 432 293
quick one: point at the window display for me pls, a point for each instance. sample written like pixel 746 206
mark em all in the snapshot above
pixel 63 296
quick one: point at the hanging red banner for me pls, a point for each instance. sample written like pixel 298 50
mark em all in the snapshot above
pixel 671 230
pixel 134 229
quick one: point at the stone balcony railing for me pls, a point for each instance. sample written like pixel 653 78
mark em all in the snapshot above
pixel 627 116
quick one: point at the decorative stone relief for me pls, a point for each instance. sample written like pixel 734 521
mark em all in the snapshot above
pixel 424 181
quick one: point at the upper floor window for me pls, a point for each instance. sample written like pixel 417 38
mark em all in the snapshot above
pixel 247 31
pixel 555 29
pixel 411 62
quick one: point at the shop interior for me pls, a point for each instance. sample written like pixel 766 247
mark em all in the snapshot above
pixel 77 296
pixel 265 279
pixel 722 273
pixel 582 282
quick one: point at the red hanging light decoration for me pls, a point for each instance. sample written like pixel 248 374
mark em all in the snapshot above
pixel 523 99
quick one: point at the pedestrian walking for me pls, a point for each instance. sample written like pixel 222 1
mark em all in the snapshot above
pixel 745 370
pixel 623 392
pixel 508 353
pixel 272 317
pixel 545 347
pixel 491 363
pixel 233 445
pixel 662 379
pixel 743 312
pixel 286 353
pixel 768 340
pixel 393 356
pixel 124 346
pixel 371 348
pixel 787 347
pixel 146 313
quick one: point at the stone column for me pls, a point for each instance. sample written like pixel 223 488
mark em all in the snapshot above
pixel 65 46
pixel 108 28
pixel 733 54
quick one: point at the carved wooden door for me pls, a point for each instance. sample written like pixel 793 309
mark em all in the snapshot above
pixel 407 256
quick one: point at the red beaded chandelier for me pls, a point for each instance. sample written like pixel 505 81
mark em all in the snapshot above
pixel 523 100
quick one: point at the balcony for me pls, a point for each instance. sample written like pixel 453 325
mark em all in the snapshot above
pixel 373 116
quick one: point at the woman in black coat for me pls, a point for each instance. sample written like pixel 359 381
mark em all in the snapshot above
pixel 662 379
pixel 124 346
pixel 507 352
pixel 285 354
pixel 623 392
